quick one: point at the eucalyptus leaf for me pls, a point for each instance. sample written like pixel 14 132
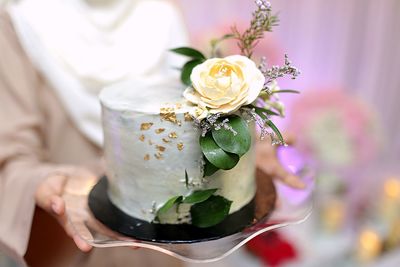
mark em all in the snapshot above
pixel 187 70
pixel 169 204
pixel 189 52
pixel 216 155
pixel 286 91
pixel 199 196
pixel 260 112
pixel 238 143
pixel 209 169
pixel 210 212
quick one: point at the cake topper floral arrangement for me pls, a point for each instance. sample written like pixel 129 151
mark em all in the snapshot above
pixel 227 94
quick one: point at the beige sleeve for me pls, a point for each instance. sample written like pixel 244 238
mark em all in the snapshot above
pixel 22 141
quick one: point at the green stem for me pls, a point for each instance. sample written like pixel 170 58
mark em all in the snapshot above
pixel 216 42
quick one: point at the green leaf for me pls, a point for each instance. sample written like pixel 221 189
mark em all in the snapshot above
pixel 169 204
pixel 261 111
pixel 270 124
pixel 199 196
pixel 189 52
pixel 238 144
pixel 187 70
pixel 286 91
pixel 216 155
pixel 210 212
pixel 276 130
pixel 209 169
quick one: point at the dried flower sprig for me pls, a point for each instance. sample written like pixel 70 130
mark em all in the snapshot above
pixel 264 123
pixel 275 72
pixel 213 122
pixel 262 21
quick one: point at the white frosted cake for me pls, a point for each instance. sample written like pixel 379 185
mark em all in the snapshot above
pixel 184 154
pixel 151 144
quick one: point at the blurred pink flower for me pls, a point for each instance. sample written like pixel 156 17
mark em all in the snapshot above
pixel 335 128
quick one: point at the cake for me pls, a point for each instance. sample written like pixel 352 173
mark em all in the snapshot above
pixel 185 154
pixel 150 146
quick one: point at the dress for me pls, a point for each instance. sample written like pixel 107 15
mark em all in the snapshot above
pixel 37 138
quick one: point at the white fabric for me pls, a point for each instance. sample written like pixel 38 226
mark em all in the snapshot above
pixel 83 46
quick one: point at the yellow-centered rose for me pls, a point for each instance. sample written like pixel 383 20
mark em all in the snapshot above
pixel 223 85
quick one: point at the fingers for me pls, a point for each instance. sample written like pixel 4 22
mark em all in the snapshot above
pixel 48 190
pixel 58 209
pixel 274 169
pixel 81 244
pixel 293 181
pixel 65 223
pixel 289 138
pixel 287 177
pixel 57 205
pixel 49 197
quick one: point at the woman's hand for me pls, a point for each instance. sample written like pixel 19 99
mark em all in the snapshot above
pixel 49 197
pixel 268 162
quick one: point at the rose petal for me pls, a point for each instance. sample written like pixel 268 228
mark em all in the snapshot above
pixel 191 95
pixel 256 85
pixel 243 61
pixel 243 94
pixel 228 108
pixel 212 93
pixel 236 85
pixel 217 102
pixel 208 103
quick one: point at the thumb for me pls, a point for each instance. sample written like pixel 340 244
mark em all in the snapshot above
pixel 49 190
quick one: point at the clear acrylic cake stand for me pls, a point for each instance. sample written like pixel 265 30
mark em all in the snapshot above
pixel 292 207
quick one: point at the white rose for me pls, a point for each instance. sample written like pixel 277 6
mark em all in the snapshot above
pixel 223 85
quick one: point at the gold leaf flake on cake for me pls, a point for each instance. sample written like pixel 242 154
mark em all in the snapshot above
pixel 179 122
pixel 180 146
pixel 166 110
pixel 158 155
pixel 150 142
pixel 188 117
pixel 147 157
pixel 160 148
pixel 173 135
pixel 168 114
pixel 178 105
pixel 160 130
pixel 165 140
pixel 142 137
pixel 145 126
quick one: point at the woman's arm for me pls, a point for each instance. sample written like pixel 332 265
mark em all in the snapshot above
pixel 23 162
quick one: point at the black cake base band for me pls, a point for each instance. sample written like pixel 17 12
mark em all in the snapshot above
pixel 111 216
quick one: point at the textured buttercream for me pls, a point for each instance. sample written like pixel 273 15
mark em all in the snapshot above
pixel 147 155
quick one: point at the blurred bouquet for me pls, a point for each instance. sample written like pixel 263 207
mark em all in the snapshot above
pixel 355 193
pixel 334 128
pixel 339 133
